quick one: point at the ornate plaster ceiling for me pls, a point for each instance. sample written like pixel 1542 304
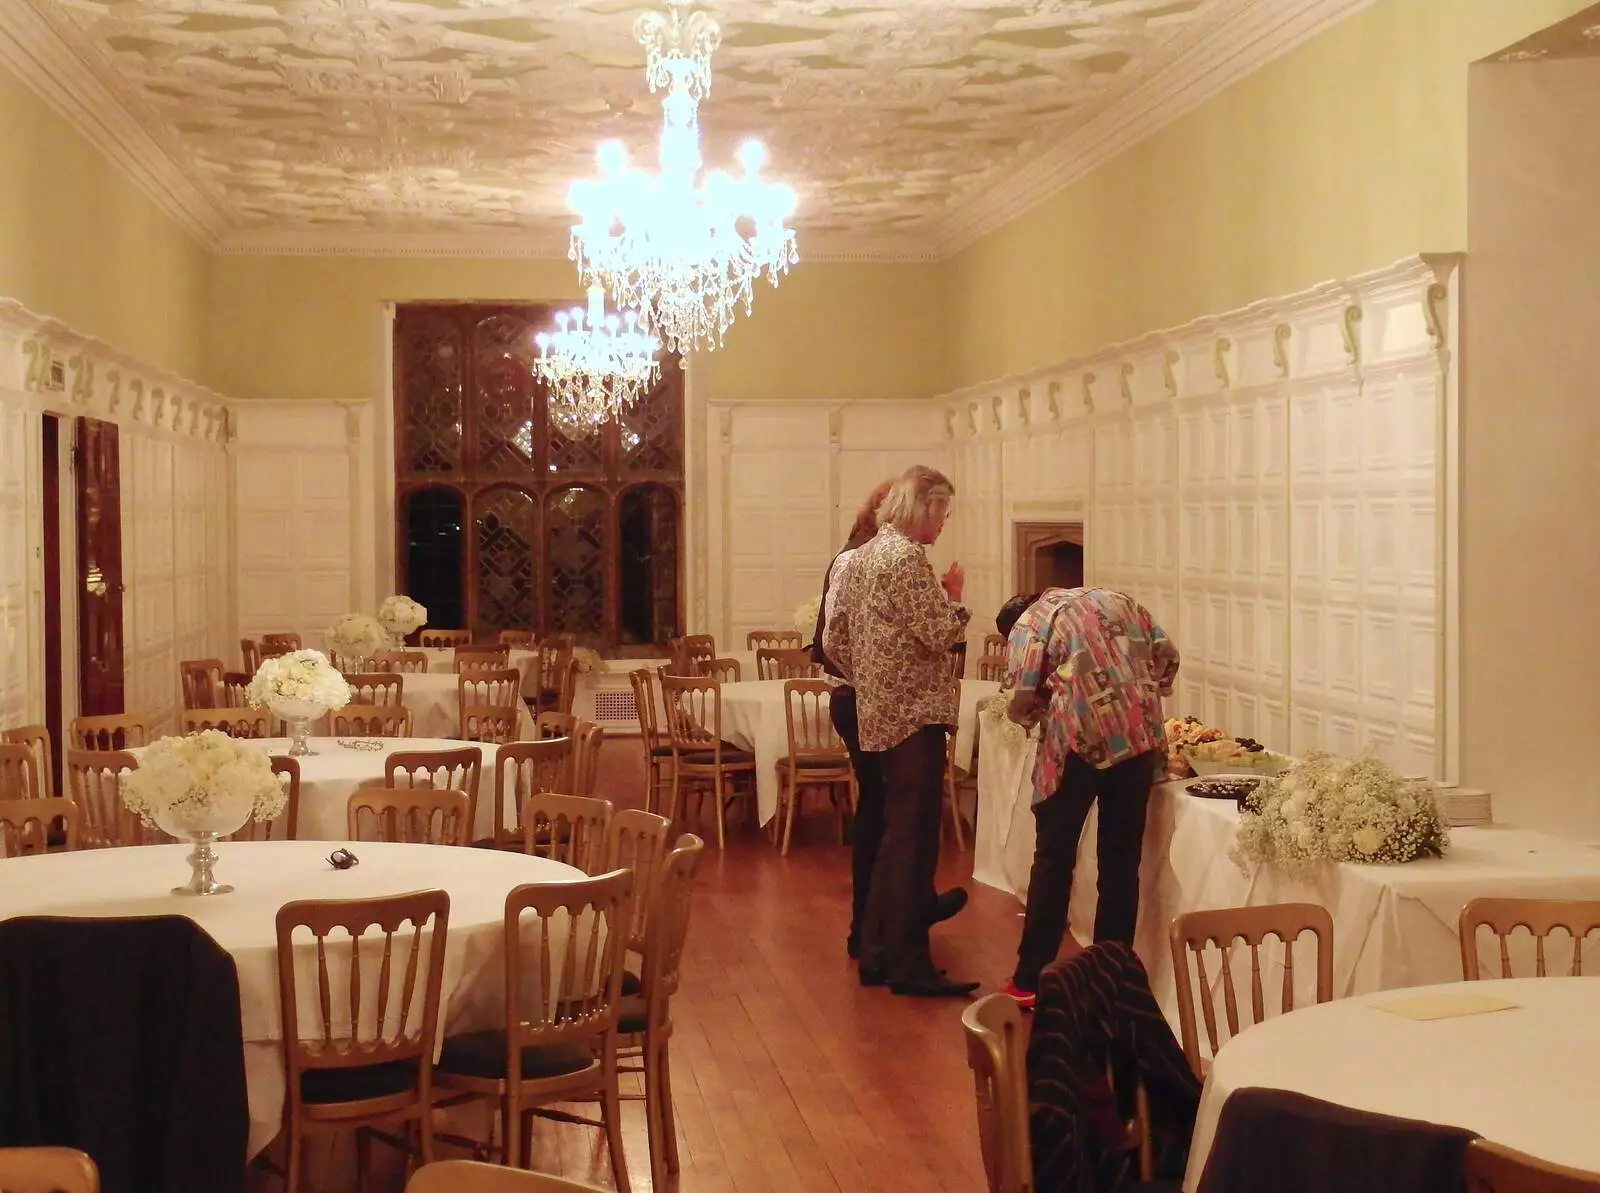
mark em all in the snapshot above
pixel 329 118
pixel 1576 37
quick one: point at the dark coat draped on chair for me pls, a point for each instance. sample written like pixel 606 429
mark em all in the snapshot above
pixel 121 1037
pixel 1095 1011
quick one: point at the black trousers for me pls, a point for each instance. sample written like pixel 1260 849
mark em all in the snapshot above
pixel 1123 792
pixel 894 936
pixel 867 832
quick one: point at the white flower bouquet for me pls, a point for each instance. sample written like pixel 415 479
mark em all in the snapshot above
pixel 805 617
pixel 357 636
pixel 205 783
pixel 401 615
pixel 993 708
pixel 1330 809
pixel 296 682
pixel 587 659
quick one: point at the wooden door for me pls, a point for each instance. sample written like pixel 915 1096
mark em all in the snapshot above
pixel 99 575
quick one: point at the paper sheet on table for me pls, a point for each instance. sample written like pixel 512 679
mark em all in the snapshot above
pixel 1445 1006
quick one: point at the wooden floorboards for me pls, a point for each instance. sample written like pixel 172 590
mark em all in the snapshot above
pixel 788 1076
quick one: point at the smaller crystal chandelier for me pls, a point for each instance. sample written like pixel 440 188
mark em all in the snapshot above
pixel 595 365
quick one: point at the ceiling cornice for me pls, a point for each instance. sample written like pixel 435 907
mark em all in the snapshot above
pixel 518 245
pixel 1207 62
pixel 37 54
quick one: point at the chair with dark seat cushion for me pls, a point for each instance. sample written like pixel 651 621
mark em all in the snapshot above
pixel 482 1054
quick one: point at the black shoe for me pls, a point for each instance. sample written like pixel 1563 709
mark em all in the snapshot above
pixel 852 946
pixel 948 904
pixel 874 977
pixel 933 986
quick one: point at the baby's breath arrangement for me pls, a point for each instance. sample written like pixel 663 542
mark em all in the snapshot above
pixel 993 708
pixel 805 616
pixel 1330 809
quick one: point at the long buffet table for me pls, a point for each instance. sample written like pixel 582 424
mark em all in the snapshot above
pixel 1393 925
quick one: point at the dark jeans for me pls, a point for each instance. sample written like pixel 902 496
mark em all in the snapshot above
pixel 894 937
pixel 1123 792
pixel 867 832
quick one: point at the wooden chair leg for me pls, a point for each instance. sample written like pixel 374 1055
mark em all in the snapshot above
pixel 611 1111
pixel 653 1119
pixel 789 794
pixel 363 1158
pixel 720 790
pixel 669 1118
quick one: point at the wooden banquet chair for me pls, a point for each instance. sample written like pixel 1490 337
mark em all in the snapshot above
pixel 474 1176
pixel 1195 932
pixel 279 644
pixel 571 829
pixel 235 722
pixel 409 815
pixel 27 826
pixel 286 827
pixel 19 772
pixel 234 691
pixel 92 784
pixel 1541 917
pixel 454 770
pixel 785 664
pixel 958 661
pixel 587 738
pixel 951 798
pixel 992 662
pixel 1492 1168
pixel 657 749
pixel 249 655
pixel 376 687
pixel 37 739
pixel 518 639
pixel 646 1017
pixel 758 640
pixel 401 662
pixel 700 758
pixel 724 670
pixel 693 654
pixel 523 769
pixel 371 720
pixel 558 1041
pixel 115 731
pixel 816 760
pixel 481 658
pixel 201 681
pixel 47 1170
pixel 367 1060
pixel 554 724
pixel 996 1054
pixel 443 639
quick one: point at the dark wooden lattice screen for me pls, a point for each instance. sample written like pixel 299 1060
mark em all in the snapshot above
pixel 542 540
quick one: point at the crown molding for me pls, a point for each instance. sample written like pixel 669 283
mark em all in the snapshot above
pixel 32 48
pixel 1205 62
pixel 522 245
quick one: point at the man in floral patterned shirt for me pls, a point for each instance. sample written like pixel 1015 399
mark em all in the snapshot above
pixel 890 635
pixel 1095 665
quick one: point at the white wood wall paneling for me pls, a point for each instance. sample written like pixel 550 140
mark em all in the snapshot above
pixel 175 498
pixel 1274 484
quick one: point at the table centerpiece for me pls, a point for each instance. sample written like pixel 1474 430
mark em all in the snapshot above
pixel 355 638
pixel 199 789
pixel 400 616
pixel 298 687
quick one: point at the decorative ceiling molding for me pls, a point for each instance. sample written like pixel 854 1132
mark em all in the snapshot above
pixel 529 246
pixel 1576 37
pixel 382 128
pixel 33 51
pixel 1206 61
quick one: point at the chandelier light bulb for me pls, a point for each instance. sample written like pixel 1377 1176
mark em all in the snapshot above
pixel 595 365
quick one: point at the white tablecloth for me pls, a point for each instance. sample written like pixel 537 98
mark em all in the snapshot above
pixel 753 719
pixel 268 874
pixel 1525 1078
pixel 434 701
pixel 442 661
pixel 1393 925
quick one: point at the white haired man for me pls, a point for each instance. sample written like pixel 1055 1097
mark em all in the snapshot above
pixel 890 634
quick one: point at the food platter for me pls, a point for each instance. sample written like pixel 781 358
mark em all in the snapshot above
pixel 1237 788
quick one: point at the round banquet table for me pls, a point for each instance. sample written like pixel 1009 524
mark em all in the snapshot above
pixel 267 874
pixel 753 718
pixel 1523 1077
pixel 330 776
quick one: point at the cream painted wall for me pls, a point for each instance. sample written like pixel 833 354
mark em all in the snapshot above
pixel 1342 156
pixel 80 243
pixel 312 327
pixel 1530 437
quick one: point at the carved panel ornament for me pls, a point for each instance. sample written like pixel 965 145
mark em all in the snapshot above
pixel 432 115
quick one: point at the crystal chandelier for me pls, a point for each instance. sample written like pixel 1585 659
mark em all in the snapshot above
pixel 595 365
pixel 681 250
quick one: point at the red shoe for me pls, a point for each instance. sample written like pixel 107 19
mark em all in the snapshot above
pixel 1024 998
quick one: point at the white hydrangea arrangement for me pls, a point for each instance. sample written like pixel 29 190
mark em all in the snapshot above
pixel 303 677
pixel 587 659
pixel 1330 809
pixel 993 708
pixel 204 783
pixel 357 636
pixel 805 617
pixel 401 615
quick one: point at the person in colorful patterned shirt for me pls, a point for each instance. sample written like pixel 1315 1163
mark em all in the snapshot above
pixel 1093 665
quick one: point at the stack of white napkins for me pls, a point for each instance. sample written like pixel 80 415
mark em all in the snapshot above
pixel 1464 807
